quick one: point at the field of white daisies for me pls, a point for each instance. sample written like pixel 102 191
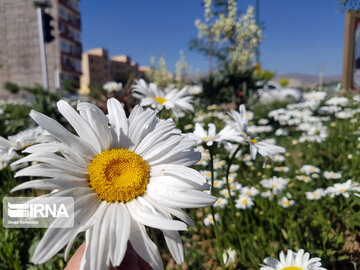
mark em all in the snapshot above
pixel 184 183
pixel 186 172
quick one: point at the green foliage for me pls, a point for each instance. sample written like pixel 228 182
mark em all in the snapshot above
pixel 16 116
pixel 97 91
pixel 266 75
pixel 71 86
pixel 227 86
pixel 284 82
pixel 11 87
pixel 14 119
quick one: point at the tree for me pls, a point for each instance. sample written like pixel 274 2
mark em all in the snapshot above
pixel 182 70
pixel 159 75
pixel 349 5
pixel 230 37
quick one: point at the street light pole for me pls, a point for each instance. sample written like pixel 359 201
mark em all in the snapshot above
pixel 45 81
pixel 40 5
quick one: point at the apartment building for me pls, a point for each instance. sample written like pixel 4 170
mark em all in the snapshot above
pixel 98 68
pixel 19 43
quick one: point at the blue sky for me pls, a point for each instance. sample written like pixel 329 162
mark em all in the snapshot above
pixel 299 35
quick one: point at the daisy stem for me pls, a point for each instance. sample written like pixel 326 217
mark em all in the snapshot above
pixel 154 238
pixel 231 160
pixel 218 240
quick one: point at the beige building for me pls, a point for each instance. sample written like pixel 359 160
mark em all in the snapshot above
pixel 19 43
pixel 97 68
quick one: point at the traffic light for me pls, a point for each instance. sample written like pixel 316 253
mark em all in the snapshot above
pixel 48 28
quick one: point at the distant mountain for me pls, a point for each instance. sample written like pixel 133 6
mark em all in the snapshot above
pixel 301 79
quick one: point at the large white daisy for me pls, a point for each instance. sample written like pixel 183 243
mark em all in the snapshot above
pixel 293 261
pixel 124 174
pixel 178 101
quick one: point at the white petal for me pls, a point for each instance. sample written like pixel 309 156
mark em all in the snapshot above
pixel 299 257
pixel 85 208
pixel 45 147
pixel 50 184
pixel 175 183
pixel 117 115
pixel 45 170
pixel 58 131
pixel 81 126
pixel 121 234
pixel 181 154
pixel 178 171
pixel 180 198
pixel 162 147
pixel 271 261
pixel 95 255
pixel 54 239
pixel 5 144
pixel 98 122
pixel 172 239
pixel 143 246
pixel 243 119
pixel 56 161
pixel 141 125
pixel 180 214
pixel 253 151
pixel 289 257
pixel 162 129
pixel 146 216
pixel 175 246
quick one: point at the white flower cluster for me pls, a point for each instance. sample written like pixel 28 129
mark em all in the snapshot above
pixel 301 115
pixel 112 86
pixel 10 148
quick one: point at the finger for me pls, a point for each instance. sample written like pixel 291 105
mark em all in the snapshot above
pixel 74 263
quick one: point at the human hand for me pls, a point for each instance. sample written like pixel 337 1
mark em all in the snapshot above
pixel 131 260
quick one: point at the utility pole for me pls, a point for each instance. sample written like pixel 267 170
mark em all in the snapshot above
pixel 40 5
pixel 257 18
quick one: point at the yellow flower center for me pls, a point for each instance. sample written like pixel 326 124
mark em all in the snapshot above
pixel 207 138
pixel 287 203
pixel 254 140
pixel 244 201
pixel 160 100
pixel 291 268
pixel 118 175
pixel 342 190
